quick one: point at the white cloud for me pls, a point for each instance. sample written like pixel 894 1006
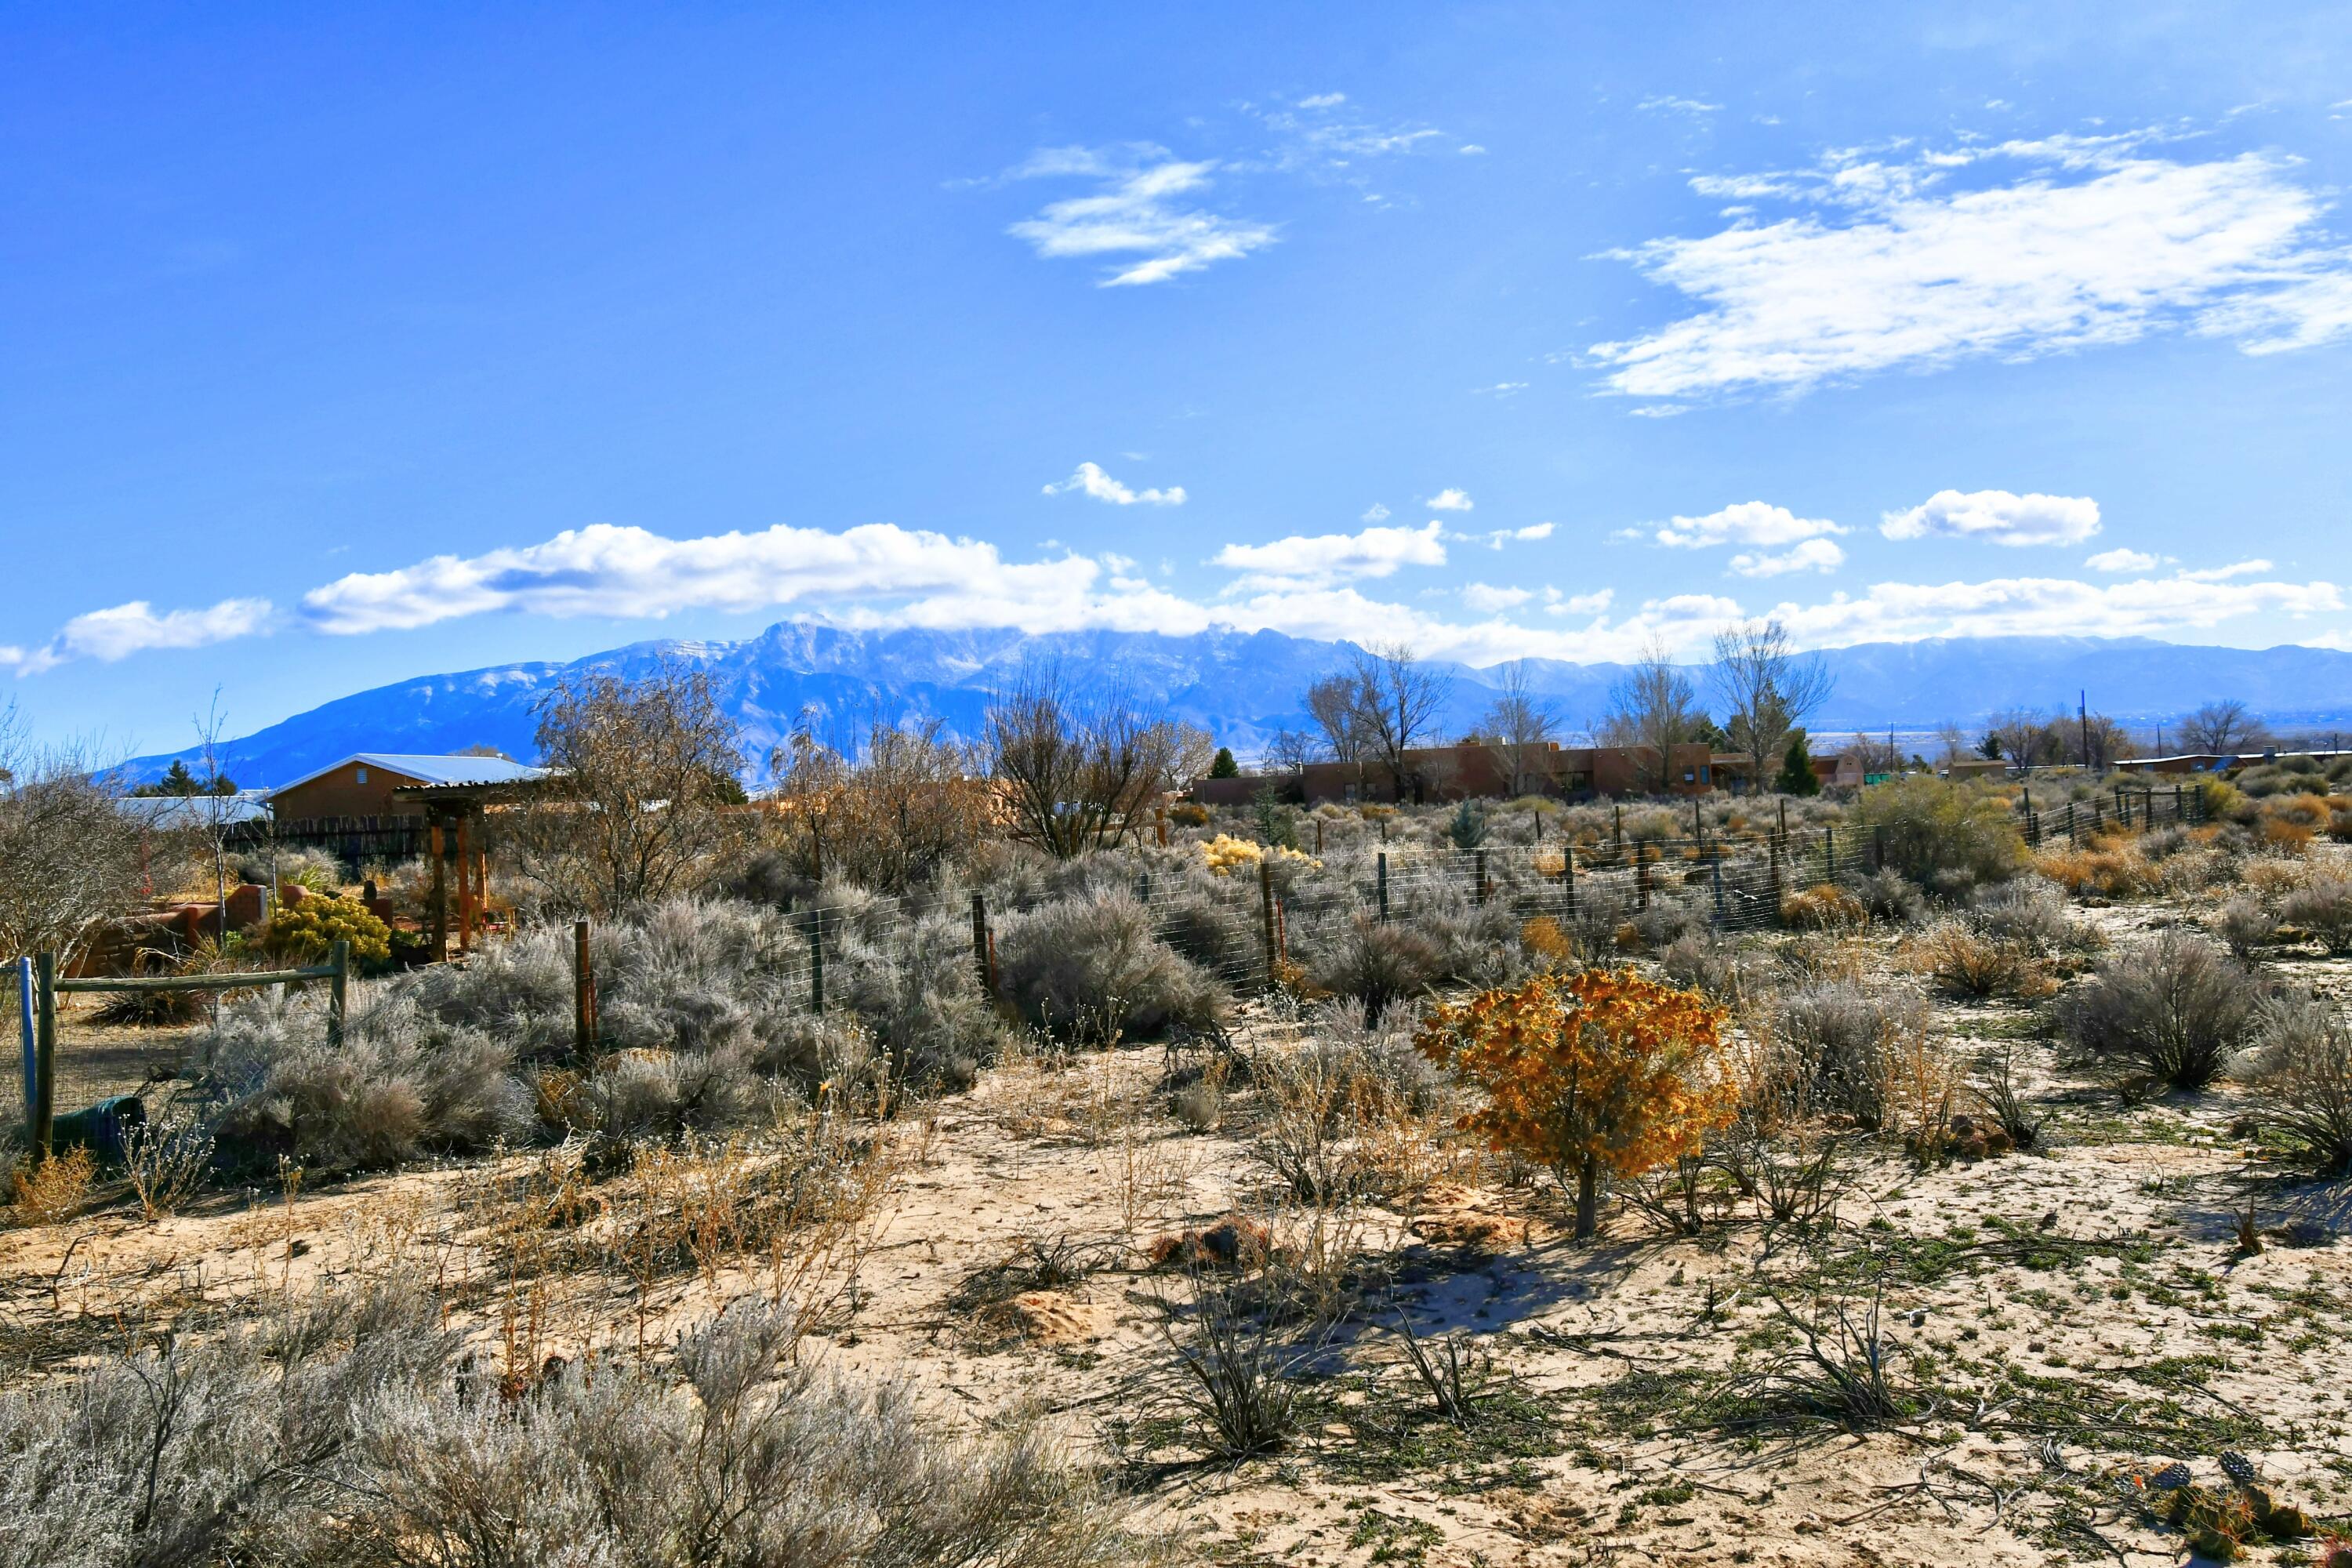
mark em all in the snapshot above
pixel 1812 555
pixel 1679 105
pixel 2015 249
pixel 2121 561
pixel 1489 600
pixel 1746 522
pixel 1323 100
pixel 1093 481
pixel 1450 501
pixel 1533 530
pixel 2027 606
pixel 115 633
pixel 1591 603
pixel 1472 149
pixel 1374 551
pixel 1376 512
pixel 2223 573
pixel 1997 517
pixel 1500 389
pixel 1139 211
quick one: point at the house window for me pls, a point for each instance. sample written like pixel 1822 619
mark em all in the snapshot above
pixel 1689 777
pixel 361 775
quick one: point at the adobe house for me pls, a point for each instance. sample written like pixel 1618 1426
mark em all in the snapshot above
pixel 363 785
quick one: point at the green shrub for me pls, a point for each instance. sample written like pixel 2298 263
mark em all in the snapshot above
pixel 306 930
pixel 1947 838
pixel 2176 1007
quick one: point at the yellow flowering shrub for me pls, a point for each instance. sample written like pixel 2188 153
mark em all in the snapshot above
pixel 1226 854
pixel 305 932
pixel 1592 1072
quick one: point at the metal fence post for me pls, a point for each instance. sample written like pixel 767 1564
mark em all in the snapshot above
pixel 45 1054
pixel 1716 868
pixel 1479 872
pixel 1568 871
pixel 584 992
pixel 1384 887
pixel 339 988
pixel 816 961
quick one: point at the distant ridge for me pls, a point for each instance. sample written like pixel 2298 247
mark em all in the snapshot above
pixel 1242 686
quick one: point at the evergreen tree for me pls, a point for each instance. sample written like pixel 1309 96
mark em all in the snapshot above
pixel 1797 776
pixel 1225 768
pixel 1468 828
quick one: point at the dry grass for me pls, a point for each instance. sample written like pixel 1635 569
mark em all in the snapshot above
pixel 57 1189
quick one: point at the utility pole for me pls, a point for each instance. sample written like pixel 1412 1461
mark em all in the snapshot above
pixel 2083 711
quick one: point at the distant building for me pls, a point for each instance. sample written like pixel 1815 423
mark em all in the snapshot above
pixel 1479 771
pixel 179 813
pixel 362 785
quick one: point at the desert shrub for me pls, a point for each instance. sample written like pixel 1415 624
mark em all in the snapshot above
pixel 1841 1036
pixel 1592 1073
pixel 1704 962
pixel 2173 1006
pixel 53 1190
pixel 2274 879
pixel 914 990
pixel 1335 1108
pixel 1825 907
pixel 2104 869
pixel 2303 1078
pixel 353 1433
pixel 1946 838
pixel 399 1084
pixel 1890 896
pixel 1477 944
pixel 1666 921
pixel 1089 970
pixel 314 870
pixel 306 930
pixel 1997 1089
pixel 1375 964
pixel 1219 937
pixel 1188 813
pixel 1965 961
pixel 2033 915
pixel 2324 907
pixel 2244 926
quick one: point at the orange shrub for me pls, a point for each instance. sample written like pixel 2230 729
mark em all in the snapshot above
pixel 1825 907
pixel 1597 1071
pixel 1546 944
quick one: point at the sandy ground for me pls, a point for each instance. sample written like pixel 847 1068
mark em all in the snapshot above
pixel 2102 1279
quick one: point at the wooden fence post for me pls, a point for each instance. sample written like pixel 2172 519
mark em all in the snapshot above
pixel 23 968
pixel 816 961
pixel 980 941
pixel 1621 827
pixel 339 989
pixel 1568 871
pixel 1829 853
pixel 464 886
pixel 440 897
pixel 45 1053
pixel 1318 838
pixel 1384 887
pixel 1699 823
pixel 1478 871
pixel 1641 877
pixel 1772 850
pixel 583 994
pixel 2072 839
pixel 1265 901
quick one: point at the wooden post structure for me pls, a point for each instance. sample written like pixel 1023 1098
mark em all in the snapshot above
pixel 980 944
pixel 464 884
pixel 1699 823
pixel 1784 819
pixel 1265 901
pixel 1383 873
pixel 1621 827
pixel 440 897
pixel 1318 838
pixel 339 989
pixel 45 1053
pixel 583 994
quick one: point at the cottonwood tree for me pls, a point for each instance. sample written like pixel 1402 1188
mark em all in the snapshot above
pixel 1767 689
pixel 1519 728
pixel 2221 727
pixel 69 860
pixel 1398 699
pixel 1331 704
pixel 1081 771
pixel 645 770
pixel 1652 706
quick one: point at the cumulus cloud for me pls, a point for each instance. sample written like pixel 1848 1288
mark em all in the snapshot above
pixel 1093 481
pixel 1145 209
pixel 125 630
pixel 2121 561
pixel 1450 501
pixel 1489 600
pixel 1812 555
pixel 1375 513
pixel 1592 603
pixel 1997 517
pixel 1747 522
pixel 2223 573
pixel 2015 249
pixel 1373 551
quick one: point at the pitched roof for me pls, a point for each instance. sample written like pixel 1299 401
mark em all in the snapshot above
pixel 428 770
pixel 170 812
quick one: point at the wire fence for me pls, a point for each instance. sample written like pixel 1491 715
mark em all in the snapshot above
pixel 1240 926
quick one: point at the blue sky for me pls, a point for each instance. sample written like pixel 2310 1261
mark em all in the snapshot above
pixel 343 345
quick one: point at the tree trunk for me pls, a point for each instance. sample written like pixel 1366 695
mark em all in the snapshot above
pixel 1587 1198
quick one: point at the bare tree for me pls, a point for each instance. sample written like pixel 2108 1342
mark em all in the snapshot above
pixel 1651 707
pixel 1081 772
pixel 1519 728
pixel 892 816
pixel 645 769
pixel 1951 744
pixel 2221 727
pixel 69 858
pixel 1398 699
pixel 2029 739
pixel 1767 689
pixel 1288 751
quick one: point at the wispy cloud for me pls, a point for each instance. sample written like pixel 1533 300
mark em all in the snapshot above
pixel 1091 480
pixel 1489 600
pixel 2026 606
pixel 2120 561
pixel 115 633
pixel 1670 105
pixel 1744 522
pixel 1450 501
pixel 1997 517
pixel 2015 249
pixel 1145 209
pixel 1812 555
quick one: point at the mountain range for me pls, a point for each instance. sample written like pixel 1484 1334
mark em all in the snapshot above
pixel 1241 686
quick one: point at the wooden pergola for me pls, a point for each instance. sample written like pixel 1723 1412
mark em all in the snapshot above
pixel 453 833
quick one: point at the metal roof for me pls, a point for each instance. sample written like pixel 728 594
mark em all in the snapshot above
pixel 170 813
pixel 428 770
